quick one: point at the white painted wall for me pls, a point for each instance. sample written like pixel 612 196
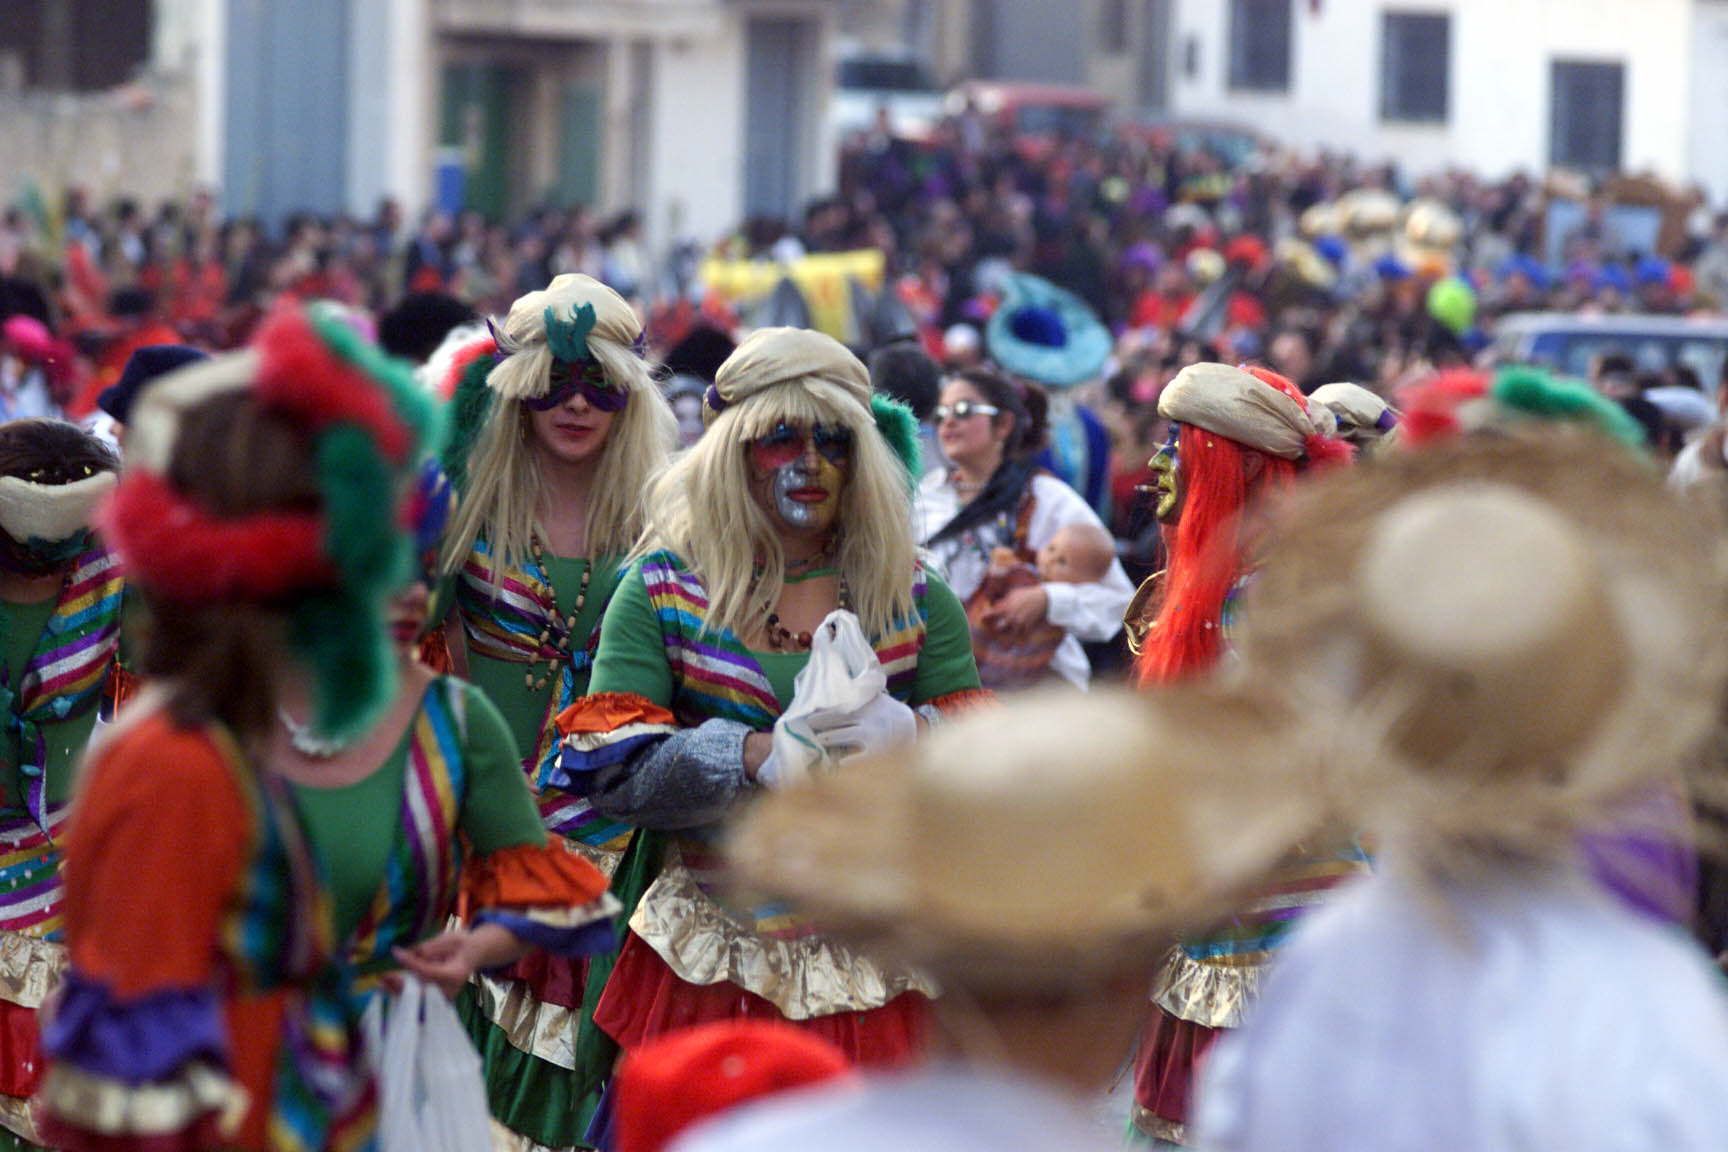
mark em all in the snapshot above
pixel 1501 53
pixel 696 182
pixel 1709 97
pixel 389 119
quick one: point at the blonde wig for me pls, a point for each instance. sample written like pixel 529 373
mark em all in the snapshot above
pixel 502 495
pixel 701 509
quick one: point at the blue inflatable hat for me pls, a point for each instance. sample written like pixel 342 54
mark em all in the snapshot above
pixel 1046 334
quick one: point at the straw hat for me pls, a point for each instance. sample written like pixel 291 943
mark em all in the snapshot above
pixel 1049 846
pixel 1522 630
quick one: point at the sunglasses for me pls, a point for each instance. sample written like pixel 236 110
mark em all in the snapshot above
pixel 962 409
pixel 786 443
pixel 586 377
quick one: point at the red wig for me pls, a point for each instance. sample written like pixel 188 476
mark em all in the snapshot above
pixel 1206 558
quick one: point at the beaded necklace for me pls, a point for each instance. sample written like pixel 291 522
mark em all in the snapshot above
pixel 783 639
pixel 561 645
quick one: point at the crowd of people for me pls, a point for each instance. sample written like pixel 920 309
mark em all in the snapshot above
pixel 1169 650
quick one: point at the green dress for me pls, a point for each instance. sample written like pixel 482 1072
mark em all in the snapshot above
pixel 544 1061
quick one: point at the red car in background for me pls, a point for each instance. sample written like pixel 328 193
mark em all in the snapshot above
pixel 1037 116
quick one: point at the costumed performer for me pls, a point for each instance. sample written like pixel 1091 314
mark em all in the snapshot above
pixel 61 593
pixel 1237 436
pixel 1514 639
pixel 174 1021
pixel 996 494
pixel 1051 337
pixel 924 855
pixel 558 426
pixel 793 505
pixel 290 790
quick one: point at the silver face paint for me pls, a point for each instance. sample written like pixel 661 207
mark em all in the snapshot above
pixel 788 478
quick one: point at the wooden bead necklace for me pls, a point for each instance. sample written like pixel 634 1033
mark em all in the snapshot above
pixel 783 639
pixel 561 644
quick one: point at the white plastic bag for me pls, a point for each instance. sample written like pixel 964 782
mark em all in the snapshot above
pixel 431 1094
pixel 843 675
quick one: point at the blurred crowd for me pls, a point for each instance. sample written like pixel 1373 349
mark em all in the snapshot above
pixel 1322 267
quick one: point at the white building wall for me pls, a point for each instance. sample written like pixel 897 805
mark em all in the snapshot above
pixel 1501 56
pixel 1709 98
pixel 696 164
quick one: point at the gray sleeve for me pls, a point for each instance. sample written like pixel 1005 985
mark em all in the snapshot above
pixel 687 780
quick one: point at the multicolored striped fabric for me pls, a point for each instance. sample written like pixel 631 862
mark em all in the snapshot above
pixel 714 677
pixel 506 621
pixel 424 867
pixel 65 675
pixel 715 674
pixel 280 937
pixel 30 886
pixel 1252 936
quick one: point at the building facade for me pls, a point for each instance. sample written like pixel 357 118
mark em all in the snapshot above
pixel 1492 85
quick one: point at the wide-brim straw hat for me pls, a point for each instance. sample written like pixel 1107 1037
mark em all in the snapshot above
pixel 1066 841
pixel 1507 636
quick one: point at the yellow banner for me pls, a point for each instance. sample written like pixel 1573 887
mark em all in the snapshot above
pixel 822 280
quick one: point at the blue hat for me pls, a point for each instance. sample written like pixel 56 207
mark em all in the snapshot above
pixel 1612 276
pixel 145 365
pixel 1653 270
pixel 1333 249
pixel 1045 334
pixel 1389 267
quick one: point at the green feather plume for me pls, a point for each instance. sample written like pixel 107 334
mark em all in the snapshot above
pixel 900 428
pixel 412 404
pixel 1534 392
pixel 470 407
pixel 342 639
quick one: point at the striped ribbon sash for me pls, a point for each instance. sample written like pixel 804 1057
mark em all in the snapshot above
pixel 505 621
pixel 65 675
pixel 30 888
pixel 418 893
pixel 279 936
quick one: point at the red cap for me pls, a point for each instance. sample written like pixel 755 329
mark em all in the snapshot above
pixel 668 1084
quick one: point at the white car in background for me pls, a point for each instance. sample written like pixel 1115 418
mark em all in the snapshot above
pixel 868 80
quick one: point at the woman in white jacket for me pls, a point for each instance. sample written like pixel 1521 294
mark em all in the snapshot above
pixel 992 495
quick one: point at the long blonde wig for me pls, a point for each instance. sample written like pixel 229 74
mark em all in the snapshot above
pixel 502 499
pixel 701 509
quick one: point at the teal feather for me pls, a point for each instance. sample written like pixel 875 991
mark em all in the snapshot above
pixel 568 338
pixel 900 428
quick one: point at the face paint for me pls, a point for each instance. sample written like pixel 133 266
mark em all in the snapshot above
pixel 1166 480
pixel 799 487
pixel 808 497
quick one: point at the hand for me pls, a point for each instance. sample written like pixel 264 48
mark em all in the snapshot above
pixel 1020 610
pixel 882 723
pixel 445 961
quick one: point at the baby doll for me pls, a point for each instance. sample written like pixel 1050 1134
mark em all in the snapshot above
pixel 1017 658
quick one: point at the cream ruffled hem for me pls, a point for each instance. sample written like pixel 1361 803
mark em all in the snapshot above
pixel 1211 995
pixel 545 1031
pixel 30 968
pixel 804 978
pixel 504 1140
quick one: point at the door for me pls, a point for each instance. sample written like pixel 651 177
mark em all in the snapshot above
pixel 477 119
pixel 1154 82
pixel 774 128
pixel 579 149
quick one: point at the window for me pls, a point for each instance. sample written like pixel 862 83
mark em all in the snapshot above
pixel 1587 116
pixel 1415 67
pixel 1260 45
pixel 1113 27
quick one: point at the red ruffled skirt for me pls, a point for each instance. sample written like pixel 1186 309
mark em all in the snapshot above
pixel 1172 1052
pixel 645 999
pixel 20 1061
